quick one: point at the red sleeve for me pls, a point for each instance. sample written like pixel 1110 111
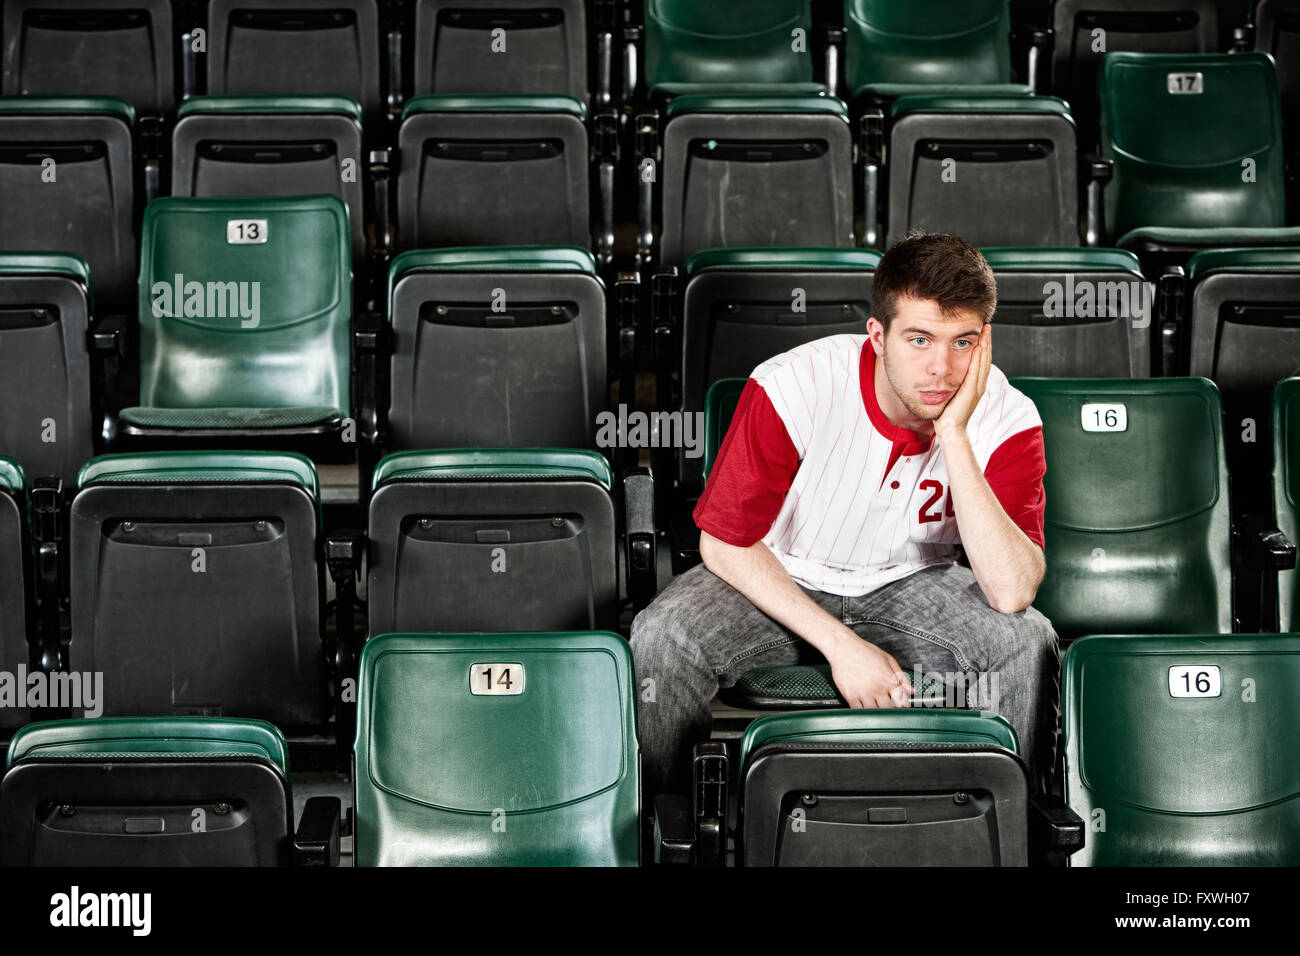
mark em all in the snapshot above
pixel 753 471
pixel 1015 473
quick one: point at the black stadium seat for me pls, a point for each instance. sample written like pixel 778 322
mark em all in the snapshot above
pixel 67 184
pixel 117 48
pixel 15 581
pixel 45 398
pixel 286 47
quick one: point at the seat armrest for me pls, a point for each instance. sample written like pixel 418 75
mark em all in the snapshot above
pixel 317 841
pixel 674 830
pixel 1055 831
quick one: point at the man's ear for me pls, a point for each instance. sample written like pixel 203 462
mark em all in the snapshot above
pixel 876 334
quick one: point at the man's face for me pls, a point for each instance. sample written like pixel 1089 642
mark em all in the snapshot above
pixel 925 356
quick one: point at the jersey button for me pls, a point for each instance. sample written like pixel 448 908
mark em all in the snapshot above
pixel 894 485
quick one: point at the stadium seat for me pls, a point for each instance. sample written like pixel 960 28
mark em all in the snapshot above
pixel 257 146
pixel 45 408
pixel 935 46
pixel 67 185
pixel 120 48
pixel 1138 519
pixel 1210 778
pixel 15 582
pixel 881 788
pixel 958 163
pixel 493 170
pixel 1136 26
pixel 1157 110
pixel 245 335
pixel 158 791
pixel 1066 313
pixel 693 48
pixel 286 47
pixel 196 586
pixel 744 170
pixel 541 49
pixel 492 539
pixel 496 750
pixel 1277 33
pixel 501 346
pixel 1286 491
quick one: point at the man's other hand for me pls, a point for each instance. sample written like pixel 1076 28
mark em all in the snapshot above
pixel 867 676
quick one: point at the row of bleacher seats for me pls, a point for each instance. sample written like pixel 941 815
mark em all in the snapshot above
pixel 515 346
pixel 223 554
pixel 521 749
pixel 152 53
pixel 727 170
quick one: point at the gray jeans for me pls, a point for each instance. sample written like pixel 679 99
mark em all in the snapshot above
pixel 701 634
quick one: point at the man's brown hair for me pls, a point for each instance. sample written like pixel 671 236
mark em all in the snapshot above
pixel 937 266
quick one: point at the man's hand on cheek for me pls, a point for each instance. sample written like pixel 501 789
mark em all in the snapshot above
pixel 962 405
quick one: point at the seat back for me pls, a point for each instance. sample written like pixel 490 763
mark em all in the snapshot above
pixel 755 171
pixel 1071 313
pixel 246 304
pixel 45 413
pixel 196 588
pixel 493 170
pixel 67 185
pixel 255 146
pixel 1277 33
pixel 1196 140
pixel 695 46
pixel 719 407
pixel 882 788
pixel 1138 517
pixel 958 162
pixel 90 48
pixel 1145 716
pixel 15 597
pixel 496 347
pixel 493 540
pixel 1087 30
pixel 939 42
pixel 147 791
pixel 286 47
pixel 459 46
pixel 743 306
pixel 497 750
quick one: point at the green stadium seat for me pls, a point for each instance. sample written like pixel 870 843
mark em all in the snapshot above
pixel 15 580
pixel 90 48
pixel 1286 491
pixel 158 791
pixel 1135 26
pixel 259 146
pixel 245 323
pixel 935 46
pixel 1181 750
pixel 958 163
pixel 67 185
pixel 45 365
pixel 196 586
pixel 693 48
pixel 286 47
pixel 457 49
pixel 750 170
pixel 493 170
pixel 492 539
pixel 881 788
pixel 1138 519
pixel 1066 313
pixel 544 771
pixel 496 347
pixel 1196 142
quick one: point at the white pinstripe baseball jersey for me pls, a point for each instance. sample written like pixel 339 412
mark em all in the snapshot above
pixel 868 501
